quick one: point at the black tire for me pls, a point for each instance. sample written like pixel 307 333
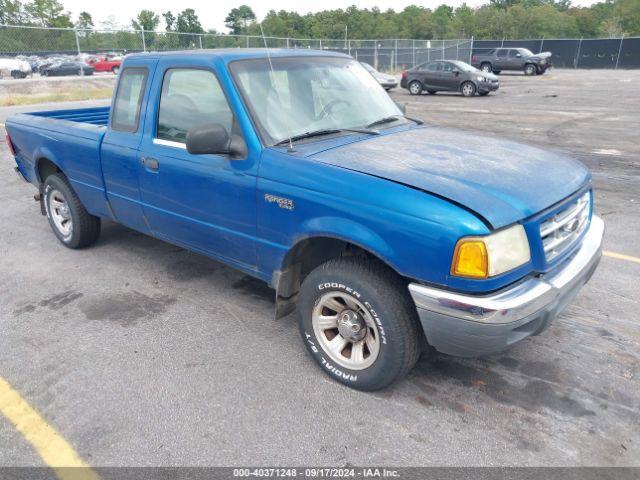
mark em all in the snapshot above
pixel 483 94
pixel 497 72
pixel 115 70
pixel 432 92
pixel 468 89
pixel 530 69
pixel 415 87
pixel 387 303
pixel 85 228
pixel 486 67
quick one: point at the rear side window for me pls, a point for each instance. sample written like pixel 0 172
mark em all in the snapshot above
pixel 191 98
pixel 502 52
pixel 126 108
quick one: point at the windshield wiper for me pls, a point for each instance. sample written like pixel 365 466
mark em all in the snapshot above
pixel 324 131
pixel 393 118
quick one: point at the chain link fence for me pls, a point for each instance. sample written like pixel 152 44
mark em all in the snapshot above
pixel 383 54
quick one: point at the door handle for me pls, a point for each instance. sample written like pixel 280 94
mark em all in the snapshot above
pixel 150 163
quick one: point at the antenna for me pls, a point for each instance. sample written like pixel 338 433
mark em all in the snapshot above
pixel 273 74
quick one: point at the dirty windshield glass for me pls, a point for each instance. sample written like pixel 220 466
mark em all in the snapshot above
pixel 306 94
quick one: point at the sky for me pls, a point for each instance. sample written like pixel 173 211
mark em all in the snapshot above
pixel 212 13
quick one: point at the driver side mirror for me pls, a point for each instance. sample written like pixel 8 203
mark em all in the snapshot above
pixel 212 138
pixel 456 72
pixel 518 55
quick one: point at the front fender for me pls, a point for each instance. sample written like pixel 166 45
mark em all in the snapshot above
pixel 349 231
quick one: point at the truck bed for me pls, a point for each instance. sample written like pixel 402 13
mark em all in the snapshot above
pixel 71 139
pixel 95 115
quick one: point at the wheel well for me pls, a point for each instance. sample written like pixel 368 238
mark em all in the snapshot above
pixel 308 254
pixel 45 168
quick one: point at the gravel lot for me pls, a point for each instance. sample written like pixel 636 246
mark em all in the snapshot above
pixel 141 353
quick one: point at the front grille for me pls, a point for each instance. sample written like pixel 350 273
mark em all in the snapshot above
pixel 562 229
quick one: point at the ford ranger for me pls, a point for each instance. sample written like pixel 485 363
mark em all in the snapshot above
pixel 296 167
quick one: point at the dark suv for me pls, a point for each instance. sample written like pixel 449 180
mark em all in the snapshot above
pixel 521 59
pixel 448 76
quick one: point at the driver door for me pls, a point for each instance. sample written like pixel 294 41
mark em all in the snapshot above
pixel 206 202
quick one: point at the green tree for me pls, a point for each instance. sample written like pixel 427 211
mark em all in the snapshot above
pixel 146 20
pixel 187 22
pixel 441 20
pixel 463 24
pixel 48 13
pixel 12 12
pixel 240 18
pixel 628 11
pixel 169 20
pixel 85 21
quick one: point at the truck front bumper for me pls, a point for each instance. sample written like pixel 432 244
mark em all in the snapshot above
pixel 474 325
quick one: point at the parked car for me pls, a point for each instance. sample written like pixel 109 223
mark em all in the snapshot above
pixel 448 76
pixel 519 59
pixel 297 168
pixel 104 64
pixel 14 68
pixel 387 81
pixel 67 68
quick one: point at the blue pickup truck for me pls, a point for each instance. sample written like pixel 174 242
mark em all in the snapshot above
pixel 295 167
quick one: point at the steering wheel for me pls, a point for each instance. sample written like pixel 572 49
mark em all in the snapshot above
pixel 328 108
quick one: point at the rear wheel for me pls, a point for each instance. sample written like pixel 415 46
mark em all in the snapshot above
pixel 483 94
pixel 530 69
pixel 69 220
pixel 468 89
pixel 486 67
pixel 115 70
pixel 359 323
pixel 415 88
pixel 497 72
pixel 432 92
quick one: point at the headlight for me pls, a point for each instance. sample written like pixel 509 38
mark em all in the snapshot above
pixel 482 257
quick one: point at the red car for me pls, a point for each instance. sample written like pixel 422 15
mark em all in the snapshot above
pixel 106 65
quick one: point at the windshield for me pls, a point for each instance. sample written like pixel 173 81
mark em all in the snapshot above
pixel 465 67
pixel 526 52
pixel 306 94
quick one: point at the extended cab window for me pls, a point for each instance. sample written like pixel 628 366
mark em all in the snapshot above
pixel 190 98
pixel 126 108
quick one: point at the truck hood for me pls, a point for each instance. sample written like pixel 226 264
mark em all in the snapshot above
pixel 542 55
pixel 502 181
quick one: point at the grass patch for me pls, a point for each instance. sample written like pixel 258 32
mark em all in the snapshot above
pixel 68 96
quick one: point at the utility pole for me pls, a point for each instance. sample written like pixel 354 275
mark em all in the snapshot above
pixel 471 51
pixel 77 40
pixel 619 51
pixel 577 62
pixel 144 45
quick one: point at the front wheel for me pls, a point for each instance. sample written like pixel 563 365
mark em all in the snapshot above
pixel 69 220
pixel 468 89
pixel 415 88
pixel 483 94
pixel 530 69
pixel 432 92
pixel 359 323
